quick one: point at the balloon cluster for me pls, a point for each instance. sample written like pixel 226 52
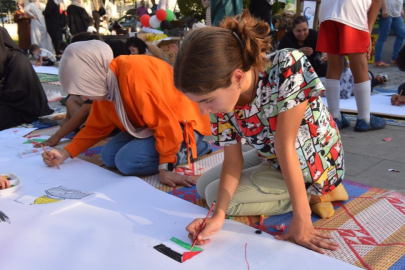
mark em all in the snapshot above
pixel 160 20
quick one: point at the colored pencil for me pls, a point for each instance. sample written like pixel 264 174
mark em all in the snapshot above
pixel 46 152
pixel 203 225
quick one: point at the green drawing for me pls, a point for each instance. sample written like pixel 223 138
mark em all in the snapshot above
pixel 184 244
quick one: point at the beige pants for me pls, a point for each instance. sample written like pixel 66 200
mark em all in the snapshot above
pixel 261 189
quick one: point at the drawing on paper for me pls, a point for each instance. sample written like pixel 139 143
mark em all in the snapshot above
pixel 34 141
pixel 57 194
pixel 181 258
pixel 4 218
pixel 184 244
pixel 242 254
pixel 178 256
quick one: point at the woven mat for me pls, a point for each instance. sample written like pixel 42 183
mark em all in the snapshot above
pixel 47 78
pixel 370 226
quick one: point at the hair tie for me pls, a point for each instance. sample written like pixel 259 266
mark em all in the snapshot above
pixel 239 41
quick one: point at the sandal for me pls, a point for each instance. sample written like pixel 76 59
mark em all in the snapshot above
pixel 381 64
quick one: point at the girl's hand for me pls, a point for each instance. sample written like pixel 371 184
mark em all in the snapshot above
pixel 4 183
pixel 304 234
pixel 213 225
pixel 55 157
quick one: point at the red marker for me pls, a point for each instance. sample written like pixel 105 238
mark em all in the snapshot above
pixel 203 225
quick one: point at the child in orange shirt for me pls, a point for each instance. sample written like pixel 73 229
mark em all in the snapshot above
pixel 137 95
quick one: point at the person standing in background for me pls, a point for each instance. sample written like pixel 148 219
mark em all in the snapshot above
pixel 39 35
pixel 262 9
pixel 206 5
pixel 154 7
pixel 52 22
pixel 392 14
pixel 64 24
pixel 96 18
pixel 223 8
pixel 78 19
pixel 345 30
pixel 142 10
pixel 24 27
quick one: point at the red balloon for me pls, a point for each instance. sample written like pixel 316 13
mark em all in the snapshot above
pixel 145 20
pixel 161 14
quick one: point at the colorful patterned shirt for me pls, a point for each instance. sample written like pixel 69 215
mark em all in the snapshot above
pixel 286 83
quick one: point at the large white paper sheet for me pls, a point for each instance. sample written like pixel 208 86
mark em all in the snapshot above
pixel 379 104
pixel 13 133
pixel 46 70
pixel 119 229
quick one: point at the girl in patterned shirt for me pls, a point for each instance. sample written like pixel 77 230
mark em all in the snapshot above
pixel 273 103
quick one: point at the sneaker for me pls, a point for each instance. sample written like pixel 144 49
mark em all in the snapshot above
pixel 344 123
pixel 375 124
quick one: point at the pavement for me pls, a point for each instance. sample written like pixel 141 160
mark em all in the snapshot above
pixel 367 157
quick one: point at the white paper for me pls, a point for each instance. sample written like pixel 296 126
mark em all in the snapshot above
pixel 13 133
pixel 379 104
pixel 119 229
pixel 56 199
pixel 46 70
pixel 28 143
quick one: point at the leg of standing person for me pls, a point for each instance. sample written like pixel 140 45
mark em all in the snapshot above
pixel 384 27
pixel 329 42
pixel 362 93
pixel 55 37
pixel 399 30
pixel 332 86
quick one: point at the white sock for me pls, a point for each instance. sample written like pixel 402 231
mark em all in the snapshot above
pixel 362 93
pixel 333 97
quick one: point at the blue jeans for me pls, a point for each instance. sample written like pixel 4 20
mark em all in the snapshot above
pixel 385 25
pixel 133 156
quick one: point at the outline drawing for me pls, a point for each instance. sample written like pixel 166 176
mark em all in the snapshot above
pixel 257 258
pixel 60 193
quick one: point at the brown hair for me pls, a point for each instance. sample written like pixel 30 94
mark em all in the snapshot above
pixel 33 48
pixel 208 56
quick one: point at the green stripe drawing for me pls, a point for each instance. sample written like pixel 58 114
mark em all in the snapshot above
pixel 184 244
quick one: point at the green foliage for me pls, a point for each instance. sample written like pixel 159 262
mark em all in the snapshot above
pixel 192 8
pixel 8 5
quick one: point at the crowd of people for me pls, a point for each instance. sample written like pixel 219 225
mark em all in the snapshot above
pixel 48 25
pixel 158 113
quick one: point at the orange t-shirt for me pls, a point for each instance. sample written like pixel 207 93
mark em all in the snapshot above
pixel 150 99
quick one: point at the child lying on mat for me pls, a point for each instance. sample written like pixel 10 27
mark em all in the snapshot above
pixel 77 112
pixel 43 56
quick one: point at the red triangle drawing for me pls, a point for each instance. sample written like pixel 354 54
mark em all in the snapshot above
pixel 189 255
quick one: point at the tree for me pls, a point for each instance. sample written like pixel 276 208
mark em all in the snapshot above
pixel 8 5
pixel 192 8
